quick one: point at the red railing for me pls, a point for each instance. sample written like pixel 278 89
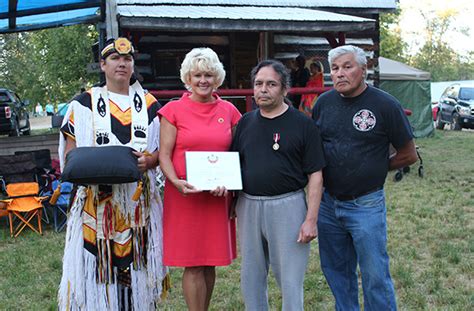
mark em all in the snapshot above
pixel 247 93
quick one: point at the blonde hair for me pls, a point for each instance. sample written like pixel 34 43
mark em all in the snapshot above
pixel 202 59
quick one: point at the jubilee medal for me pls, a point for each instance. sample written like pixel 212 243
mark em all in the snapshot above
pixel 276 138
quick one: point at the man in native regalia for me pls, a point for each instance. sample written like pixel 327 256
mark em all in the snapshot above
pixel 113 252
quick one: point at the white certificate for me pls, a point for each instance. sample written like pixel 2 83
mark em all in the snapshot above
pixel 207 170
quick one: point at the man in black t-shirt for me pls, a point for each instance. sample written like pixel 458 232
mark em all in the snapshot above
pixel 357 124
pixel 281 154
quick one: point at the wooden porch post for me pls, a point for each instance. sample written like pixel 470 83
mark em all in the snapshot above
pixel 233 71
pixel 111 23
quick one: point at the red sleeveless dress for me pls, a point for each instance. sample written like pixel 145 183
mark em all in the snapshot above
pixel 196 228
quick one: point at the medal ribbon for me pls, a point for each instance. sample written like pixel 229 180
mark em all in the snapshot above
pixel 276 137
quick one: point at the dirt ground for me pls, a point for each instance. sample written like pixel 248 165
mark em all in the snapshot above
pixel 38 123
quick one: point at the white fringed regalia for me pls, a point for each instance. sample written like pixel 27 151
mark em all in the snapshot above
pixel 113 252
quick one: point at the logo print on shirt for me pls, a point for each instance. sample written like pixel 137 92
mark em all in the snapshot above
pixel 137 101
pixel 101 107
pixel 364 120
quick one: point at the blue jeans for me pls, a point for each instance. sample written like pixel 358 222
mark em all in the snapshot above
pixel 350 233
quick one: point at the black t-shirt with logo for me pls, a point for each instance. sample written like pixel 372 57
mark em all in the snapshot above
pixel 268 172
pixel 356 134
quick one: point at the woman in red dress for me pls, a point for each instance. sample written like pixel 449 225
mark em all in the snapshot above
pixel 316 80
pixel 198 234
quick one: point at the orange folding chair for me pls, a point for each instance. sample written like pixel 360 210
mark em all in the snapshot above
pixel 23 206
pixel 3 209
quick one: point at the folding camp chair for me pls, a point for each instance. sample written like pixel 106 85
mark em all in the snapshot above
pixel 61 205
pixel 4 211
pixel 41 157
pixel 23 206
pixel 3 205
pixel 18 168
pixel 44 173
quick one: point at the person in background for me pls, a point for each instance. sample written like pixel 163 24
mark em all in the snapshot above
pixel 113 253
pixel 198 233
pixel 49 109
pixel 38 110
pixel 316 80
pixel 358 122
pixel 299 78
pixel 281 155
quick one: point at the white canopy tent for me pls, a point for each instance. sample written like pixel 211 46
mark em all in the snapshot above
pixel 393 70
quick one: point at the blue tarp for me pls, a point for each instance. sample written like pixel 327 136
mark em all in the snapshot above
pixel 38 14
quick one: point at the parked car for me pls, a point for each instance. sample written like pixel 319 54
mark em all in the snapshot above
pixel 14 117
pixel 456 107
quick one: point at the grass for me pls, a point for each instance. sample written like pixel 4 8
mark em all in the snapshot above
pixel 431 245
pixel 44 131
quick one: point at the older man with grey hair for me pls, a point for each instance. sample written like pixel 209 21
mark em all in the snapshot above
pixel 358 122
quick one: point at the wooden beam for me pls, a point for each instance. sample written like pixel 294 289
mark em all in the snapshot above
pixel 376 39
pixel 271 44
pixel 111 22
pixel 14 13
pixel 263 46
pixel 233 71
pixel 12 6
pixel 342 38
pixel 335 42
pixel 89 20
pixel 331 39
pixel 219 25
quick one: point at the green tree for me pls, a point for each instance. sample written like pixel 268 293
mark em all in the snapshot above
pixel 436 55
pixel 48 65
pixel 18 71
pixel 391 43
pixel 65 53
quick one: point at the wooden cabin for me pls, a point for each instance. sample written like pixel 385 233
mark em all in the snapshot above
pixel 242 32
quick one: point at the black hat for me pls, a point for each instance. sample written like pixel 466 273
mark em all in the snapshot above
pixel 122 46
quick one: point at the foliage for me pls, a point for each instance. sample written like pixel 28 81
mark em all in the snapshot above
pixel 430 225
pixel 391 43
pixel 436 55
pixel 47 65
pixel 19 71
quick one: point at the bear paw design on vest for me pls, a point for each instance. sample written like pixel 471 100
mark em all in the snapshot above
pixel 139 131
pixel 102 138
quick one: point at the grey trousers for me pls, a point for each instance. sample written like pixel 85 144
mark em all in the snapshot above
pixel 268 228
